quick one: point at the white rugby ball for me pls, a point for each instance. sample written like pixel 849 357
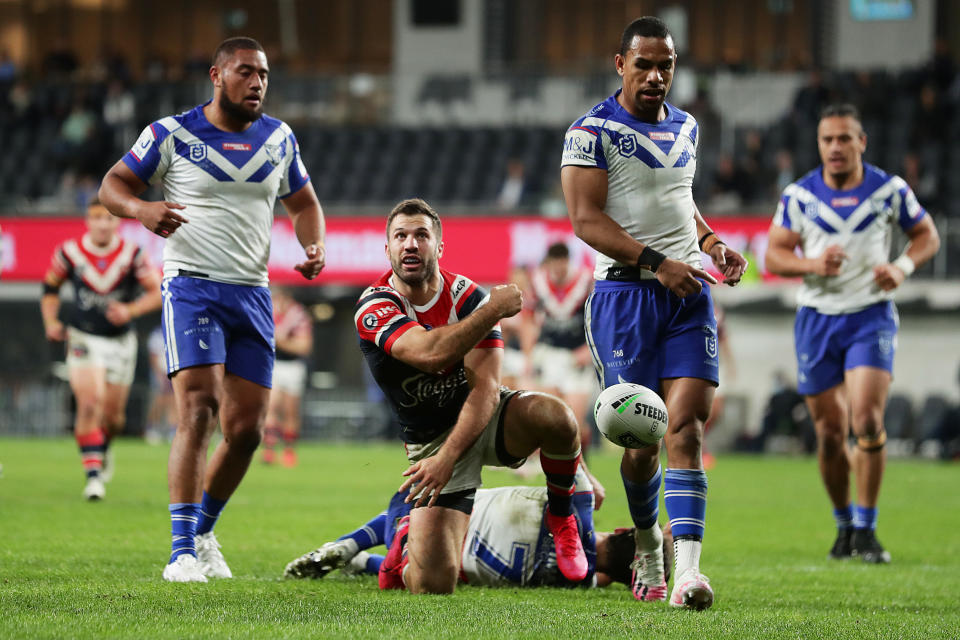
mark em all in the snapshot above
pixel 631 415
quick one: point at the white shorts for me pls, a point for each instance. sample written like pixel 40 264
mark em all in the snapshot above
pixel 116 354
pixel 557 369
pixel 485 451
pixel 514 363
pixel 290 376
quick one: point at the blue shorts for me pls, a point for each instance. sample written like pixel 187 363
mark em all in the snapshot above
pixel 829 345
pixel 207 322
pixel 640 332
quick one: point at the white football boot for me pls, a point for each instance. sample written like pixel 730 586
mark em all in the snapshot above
pixel 320 562
pixel 211 560
pixel 94 489
pixel 691 590
pixel 184 569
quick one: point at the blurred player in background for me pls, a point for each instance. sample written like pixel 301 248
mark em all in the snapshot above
pixel 561 357
pixel 162 414
pixel 507 544
pixel 107 273
pixel 841 215
pixel 294 340
pixel 432 341
pixel 519 335
pixel 222 166
pixel 627 177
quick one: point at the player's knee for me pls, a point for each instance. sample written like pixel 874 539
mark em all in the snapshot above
pixel 554 418
pixel 831 442
pixel 867 423
pixel 244 439
pixel 439 580
pixel 687 435
pixel 90 408
pixel 199 409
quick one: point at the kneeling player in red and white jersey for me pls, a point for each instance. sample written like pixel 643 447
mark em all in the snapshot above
pixel 432 341
pixel 106 272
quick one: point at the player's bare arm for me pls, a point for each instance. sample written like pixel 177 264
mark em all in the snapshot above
pixel 585 190
pixel 309 225
pixel 782 259
pixel 119 194
pixel 924 244
pixel 50 308
pixel 727 261
pixel 427 477
pixel 440 348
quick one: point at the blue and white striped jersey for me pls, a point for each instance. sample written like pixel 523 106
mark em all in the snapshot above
pixel 650 169
pixel 860 220
pixel 228 182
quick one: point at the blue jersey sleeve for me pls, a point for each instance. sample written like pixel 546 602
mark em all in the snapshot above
pixel 910 211
pixel 145 158
pixel 296 175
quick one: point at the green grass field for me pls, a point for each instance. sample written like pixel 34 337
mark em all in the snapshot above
pixel 69 569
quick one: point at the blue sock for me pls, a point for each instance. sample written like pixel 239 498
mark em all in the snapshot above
pixel 183 524
pixel 685 496
pixel 864 517
pixel 373 563
pixel 210 509
pixel 643 500
pixel 371 534
pixel 844 517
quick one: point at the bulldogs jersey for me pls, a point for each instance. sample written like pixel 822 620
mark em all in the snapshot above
pixel 426 404
pixel 508 541
pixel 650 169
pixel 99 275
pixel 290 322
pixel 860 220
pixel 228 182
pixel 561 306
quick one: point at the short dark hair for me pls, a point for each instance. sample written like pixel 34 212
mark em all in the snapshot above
pixel 414 207
pixel 619 555
pixel 558 250
pixel 645 27
pixel 840 111
pixel 231 45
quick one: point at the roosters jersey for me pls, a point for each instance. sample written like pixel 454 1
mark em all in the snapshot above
pixel 860 220
pixel 228 182
pixel 508 541
pixel 650 169
pixel 561 307
pixel 290 321
pixel 426 404
pixel 99 275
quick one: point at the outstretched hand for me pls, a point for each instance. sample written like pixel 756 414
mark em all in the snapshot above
pixel 313 265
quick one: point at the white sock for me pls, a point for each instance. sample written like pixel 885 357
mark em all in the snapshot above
pixel 648 540
pixel 686 555
pixel 351 545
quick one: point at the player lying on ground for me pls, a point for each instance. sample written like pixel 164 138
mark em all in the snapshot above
pixel 507 543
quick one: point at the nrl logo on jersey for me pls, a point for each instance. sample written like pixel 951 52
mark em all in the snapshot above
pixel 627 145
pixel 198 152
pixel 275 152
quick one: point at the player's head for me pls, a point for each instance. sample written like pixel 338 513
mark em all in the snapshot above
pixel 645 63
pixel 414 241
pixel 615 553
pixel 557 261
pixel 101 225
pixel 239 75
pixel 841 140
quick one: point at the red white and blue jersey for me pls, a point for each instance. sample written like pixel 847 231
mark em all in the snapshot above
pixel 99 275
pixel 860 220
pixel 650 169
pixel 426 404
pixel 228 182
pixel 561 306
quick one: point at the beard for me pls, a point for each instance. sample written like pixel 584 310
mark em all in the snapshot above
pixel 428 267
pixel 238 111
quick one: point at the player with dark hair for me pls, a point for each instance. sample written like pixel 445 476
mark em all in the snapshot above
pixel 106 272
pixel 432 342
pixel 841 215
pixel 507 543
pixel 222 166
pixel 627 176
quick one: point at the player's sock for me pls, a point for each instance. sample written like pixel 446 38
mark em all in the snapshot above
pixel 864 517
pixel 92 450
pixel 210 509
pixel 183 525
pixel 373 562
pixel 843 517
pixel 643 501
pixel 370 534
pixel 560 469
pixel 685 496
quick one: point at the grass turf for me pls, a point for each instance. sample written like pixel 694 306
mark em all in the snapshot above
pixel 79 570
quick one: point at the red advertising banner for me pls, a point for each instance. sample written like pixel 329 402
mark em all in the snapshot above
pixel 483 248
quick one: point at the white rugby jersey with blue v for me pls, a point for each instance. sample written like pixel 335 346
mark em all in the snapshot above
pixel 228 182
pixel 650 169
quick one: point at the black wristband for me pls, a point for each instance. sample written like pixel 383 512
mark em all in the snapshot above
pixel 49 288
pixel 704 237
pixel 650 259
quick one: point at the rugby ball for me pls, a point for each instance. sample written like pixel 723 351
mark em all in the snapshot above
pixel 630 415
